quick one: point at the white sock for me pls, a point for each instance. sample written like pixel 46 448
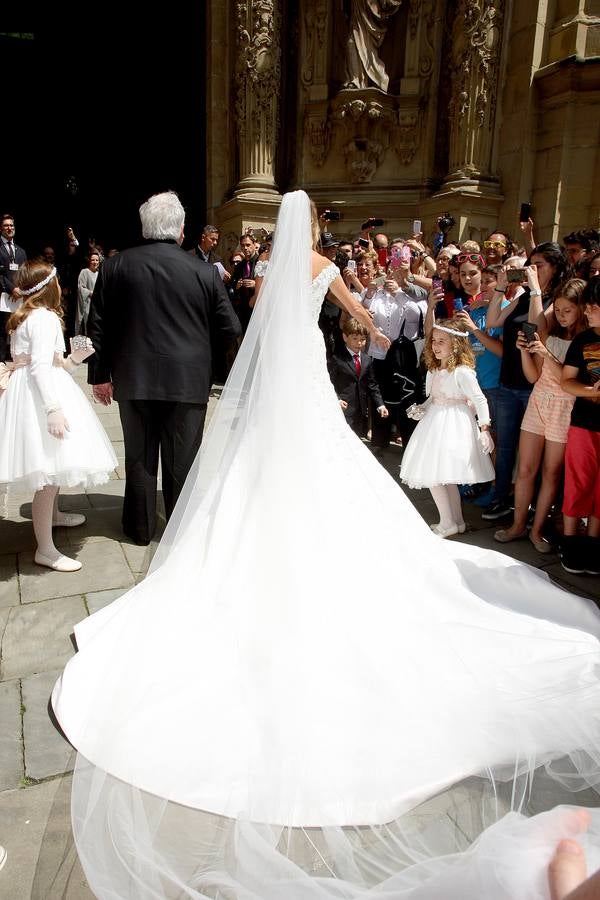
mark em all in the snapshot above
pixel 442 501
pixel 455 504
pixel 42 510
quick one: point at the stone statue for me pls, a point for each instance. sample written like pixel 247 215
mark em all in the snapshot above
pixel 368 25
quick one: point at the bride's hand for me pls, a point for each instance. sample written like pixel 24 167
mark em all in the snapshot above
pixel 380 340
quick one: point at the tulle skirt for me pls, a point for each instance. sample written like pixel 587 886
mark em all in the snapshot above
pixel 270 706
pixel 30 457
pixel 443 449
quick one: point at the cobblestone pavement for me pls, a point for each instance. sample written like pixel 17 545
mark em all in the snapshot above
pixel 38 609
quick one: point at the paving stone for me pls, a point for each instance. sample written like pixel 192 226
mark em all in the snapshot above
pixel 101 525
pixel 139 558
pixel 11 746
pixel 9 582
pixel 103 567
pixel 37 636
pixel 46 751
pixel 16 536
pixel 114 431
pixel 108 495
pixel 42 862
pixel 99 599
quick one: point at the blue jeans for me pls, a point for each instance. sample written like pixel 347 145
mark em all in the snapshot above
pixel 511 404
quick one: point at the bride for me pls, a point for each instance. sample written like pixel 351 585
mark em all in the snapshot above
pixel 274 713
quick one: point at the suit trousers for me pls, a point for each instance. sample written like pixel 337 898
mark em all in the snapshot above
pixel 151 427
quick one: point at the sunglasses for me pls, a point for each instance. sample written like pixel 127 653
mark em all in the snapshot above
pixel 497 245
pixel 470 257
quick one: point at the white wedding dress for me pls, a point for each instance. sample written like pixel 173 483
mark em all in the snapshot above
pixel 290 704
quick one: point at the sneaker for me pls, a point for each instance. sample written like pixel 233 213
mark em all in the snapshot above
pixel 497 510
pixel 571 555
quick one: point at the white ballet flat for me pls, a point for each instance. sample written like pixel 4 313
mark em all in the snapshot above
pixel 70 520
pixel 445 532
pixel 62 564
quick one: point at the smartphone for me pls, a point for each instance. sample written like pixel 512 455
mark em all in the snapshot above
pixel 417 225
pixel 458 305
pixel 405 253
pixel 379 281
pixel 371 223
pixel 382 256
pixel 362 242
pixel 331 215
pixel 525 213
pixel 529 329
pixel 396 258
pixel 516 276
pixel 351 265
pixel 437 284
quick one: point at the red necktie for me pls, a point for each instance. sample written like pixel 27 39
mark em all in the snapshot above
pixel 357 364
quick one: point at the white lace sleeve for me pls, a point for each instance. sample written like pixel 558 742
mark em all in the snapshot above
pixel 260 268
pixel 324 279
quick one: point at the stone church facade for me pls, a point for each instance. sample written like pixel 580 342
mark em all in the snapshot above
pixel 403 110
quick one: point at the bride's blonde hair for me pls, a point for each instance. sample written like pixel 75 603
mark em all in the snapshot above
pixel 314 225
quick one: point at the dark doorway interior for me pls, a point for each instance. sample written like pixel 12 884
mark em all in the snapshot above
pixel 102 115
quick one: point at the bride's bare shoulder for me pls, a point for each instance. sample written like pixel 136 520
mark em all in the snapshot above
pixel 318 263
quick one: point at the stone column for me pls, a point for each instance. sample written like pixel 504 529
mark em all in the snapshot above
pixel 477 39
pixel 257 88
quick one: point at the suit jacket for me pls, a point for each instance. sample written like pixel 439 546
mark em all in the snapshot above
pixel 154 314
pixel 352 388
pixel 7 278
pixel 212 256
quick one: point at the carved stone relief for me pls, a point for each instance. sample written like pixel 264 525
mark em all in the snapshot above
pixel 475 70
pixel 257 83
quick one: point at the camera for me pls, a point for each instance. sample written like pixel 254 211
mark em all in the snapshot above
pixel 371 223
pixel 331 215
pixel 516 276
pixel 446 222
pixel 341 260
pixel 525 212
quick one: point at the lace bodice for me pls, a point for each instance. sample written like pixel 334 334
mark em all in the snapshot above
pixel 320 286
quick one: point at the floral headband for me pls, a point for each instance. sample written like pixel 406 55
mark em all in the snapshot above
pixel 37 287
pixel 451 330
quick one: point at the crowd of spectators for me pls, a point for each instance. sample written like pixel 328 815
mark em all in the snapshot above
pixel 531 312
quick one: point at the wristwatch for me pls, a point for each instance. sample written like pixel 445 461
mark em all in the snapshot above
pixel 410 279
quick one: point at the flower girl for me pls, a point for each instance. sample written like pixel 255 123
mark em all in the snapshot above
pixel 49 434
pixel 447 447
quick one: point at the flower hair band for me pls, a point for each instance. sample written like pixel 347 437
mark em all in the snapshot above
pixel 451 330
pixel 40 285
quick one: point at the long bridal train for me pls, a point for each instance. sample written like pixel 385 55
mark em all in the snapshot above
pixel 311 695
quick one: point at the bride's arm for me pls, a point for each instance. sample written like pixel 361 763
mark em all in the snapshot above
pixel 354 308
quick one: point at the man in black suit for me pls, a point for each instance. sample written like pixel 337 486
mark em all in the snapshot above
pixel 154 312
pixel 351 374
pixel 242 279
pixel 11 257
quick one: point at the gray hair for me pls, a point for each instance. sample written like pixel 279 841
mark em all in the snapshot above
pixel 162 217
